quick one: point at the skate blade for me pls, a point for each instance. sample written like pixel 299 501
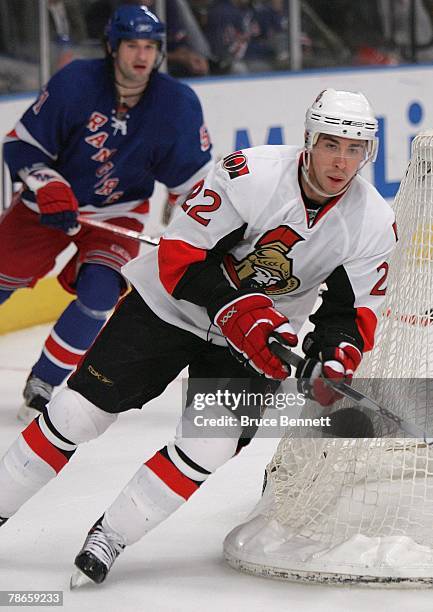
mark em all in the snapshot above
pixel 78 579
pixel 27 414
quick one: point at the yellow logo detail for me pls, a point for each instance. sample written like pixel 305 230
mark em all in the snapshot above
pixel 101 377
pixel 270 268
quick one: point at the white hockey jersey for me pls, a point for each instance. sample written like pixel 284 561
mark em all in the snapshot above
pixel 249 220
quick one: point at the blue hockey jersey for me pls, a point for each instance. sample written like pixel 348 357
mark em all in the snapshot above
pixel 111 164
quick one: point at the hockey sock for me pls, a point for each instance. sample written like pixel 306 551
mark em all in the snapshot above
pixel 4 295
pixel 168 479
pixel 98 290
pixel 158 488
pixel 38 454
pixel 46 445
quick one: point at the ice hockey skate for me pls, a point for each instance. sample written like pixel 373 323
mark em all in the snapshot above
pixel 37 393
pixel 95 559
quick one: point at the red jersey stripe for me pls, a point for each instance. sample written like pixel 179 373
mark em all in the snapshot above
pixel 366 322
pixel 174 257
pixel 43 447
pixel 171 476
pixel 142 208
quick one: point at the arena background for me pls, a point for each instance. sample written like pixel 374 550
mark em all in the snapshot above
pixel 253 110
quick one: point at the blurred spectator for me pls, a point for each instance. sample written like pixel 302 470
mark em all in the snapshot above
pixel 397 16
pixel 360 26
pixel 228 35
pixel 251 35
pixel 18 46
pixel 267 22
pixel 188 51
pixel 97 15
pixel 224 36
pixel 60 20
pixel 19 29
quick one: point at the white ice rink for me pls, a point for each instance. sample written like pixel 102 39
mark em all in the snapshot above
pixel 179 566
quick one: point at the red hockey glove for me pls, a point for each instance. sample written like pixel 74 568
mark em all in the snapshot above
pixel 58 205
pixel 334 362
pixel 56 200
pixel 247 323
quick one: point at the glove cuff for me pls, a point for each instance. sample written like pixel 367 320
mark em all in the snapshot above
pixel 37 177
pixel 314 342
pixel 226 295
pixel 241 304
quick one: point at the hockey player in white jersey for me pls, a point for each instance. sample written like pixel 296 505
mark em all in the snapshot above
pixel 242 263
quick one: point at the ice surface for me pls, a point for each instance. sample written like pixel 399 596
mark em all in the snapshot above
pixel 179 566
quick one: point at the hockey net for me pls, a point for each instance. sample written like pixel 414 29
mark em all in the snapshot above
pixel 360 509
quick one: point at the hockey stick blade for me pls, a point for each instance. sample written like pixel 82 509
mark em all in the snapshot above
pixel 116 229
pixel 288 356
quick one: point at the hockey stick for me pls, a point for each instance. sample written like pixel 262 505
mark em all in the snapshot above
pixel 116 229
pixel 288 356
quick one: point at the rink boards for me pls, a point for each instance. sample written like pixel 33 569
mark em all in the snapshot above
pixel 401 97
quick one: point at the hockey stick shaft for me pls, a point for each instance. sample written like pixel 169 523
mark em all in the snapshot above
pixel 289 357
pixel 116 229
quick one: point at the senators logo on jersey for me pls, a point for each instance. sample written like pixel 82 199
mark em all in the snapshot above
pixel 236 164
pixel 268 266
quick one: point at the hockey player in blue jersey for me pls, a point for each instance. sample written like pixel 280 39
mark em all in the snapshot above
pixel 99 135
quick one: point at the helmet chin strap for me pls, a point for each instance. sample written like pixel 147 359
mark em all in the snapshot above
pixel 304 169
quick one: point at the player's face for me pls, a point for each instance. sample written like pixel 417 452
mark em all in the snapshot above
pixel 134 61
pixel 335 161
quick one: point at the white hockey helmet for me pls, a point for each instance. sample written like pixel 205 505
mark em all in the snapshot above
pixel 346 114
